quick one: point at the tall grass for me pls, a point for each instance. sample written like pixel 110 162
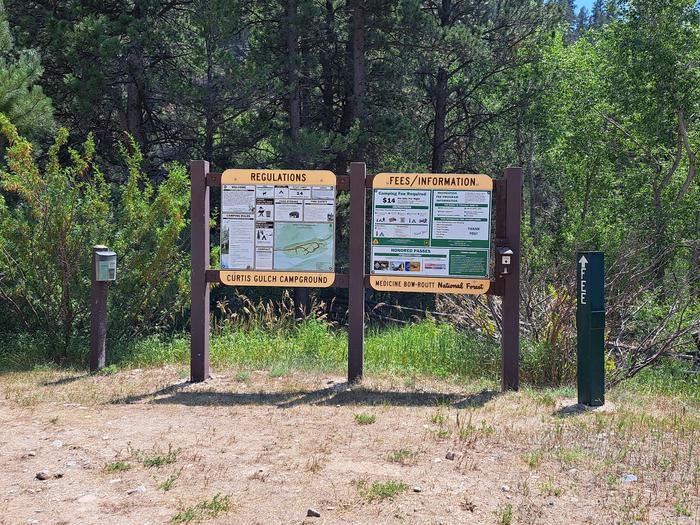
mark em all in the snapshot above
pixel 425 348
pixel 670 378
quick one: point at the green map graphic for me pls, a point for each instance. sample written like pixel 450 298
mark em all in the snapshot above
pixel 305 247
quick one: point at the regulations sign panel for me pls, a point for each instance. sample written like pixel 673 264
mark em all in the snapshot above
pixel 278 228
pixel 431 233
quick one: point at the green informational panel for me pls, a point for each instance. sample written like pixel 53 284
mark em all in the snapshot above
pixel 590 328
pixel 431 232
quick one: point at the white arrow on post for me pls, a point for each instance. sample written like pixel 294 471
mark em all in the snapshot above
pixel 583 262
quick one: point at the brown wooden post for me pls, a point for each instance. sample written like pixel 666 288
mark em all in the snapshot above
pixel 510 378
pixel 199 241
pixel 98 315
pixel 356 273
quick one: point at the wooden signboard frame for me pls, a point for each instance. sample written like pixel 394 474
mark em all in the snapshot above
pixel 507 200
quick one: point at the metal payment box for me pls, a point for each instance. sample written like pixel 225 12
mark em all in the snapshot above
pixel 503 260
pixel 106 266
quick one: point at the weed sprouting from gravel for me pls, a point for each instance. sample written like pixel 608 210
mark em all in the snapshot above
pixel 505 514
pixel 155 458
pixel 364 418
pixel 403 456
pixel 116 466
pixel 168 482
pixel 204 510
pixel 380 490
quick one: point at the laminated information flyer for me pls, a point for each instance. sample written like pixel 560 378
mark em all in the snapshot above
pixel 431 232
pixel 278 221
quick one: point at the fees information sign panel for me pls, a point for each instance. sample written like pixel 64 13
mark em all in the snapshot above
pixel 278 228
pixel 431 233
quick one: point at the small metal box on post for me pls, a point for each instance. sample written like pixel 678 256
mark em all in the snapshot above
pixel 104 270
pixel 504 260
pixel 590 328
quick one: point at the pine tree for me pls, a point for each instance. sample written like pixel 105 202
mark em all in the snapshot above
pixel 599 16
pixel 568 10
pixel 21 99
pixel 581 23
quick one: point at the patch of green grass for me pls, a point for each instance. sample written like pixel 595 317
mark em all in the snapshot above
pixel 156 458
pixel 681 510
pixel 438 418
pixel 611 480
pixel 109 370
pixel 204 510
pixel 427 348
pixel 504 515
pixel 403 456
pixel 364 418
pixel 468 431
pixel 441 433
pixel 571 455
pixel 546 398
pixel 242 376
pixel 532 459
pixel 168 482
pixel 116 466
pixel 380 490
pixel 279 370
pixel 550 489
pixel 670 377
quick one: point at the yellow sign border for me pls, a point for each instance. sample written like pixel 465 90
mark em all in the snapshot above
pixel 275 278
pixel 247 177
pixel 430 284
pixel 433 181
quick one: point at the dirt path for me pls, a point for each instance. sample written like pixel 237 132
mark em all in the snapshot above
pixel 265 450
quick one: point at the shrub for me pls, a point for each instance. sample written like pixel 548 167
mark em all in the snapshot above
pixel 50 219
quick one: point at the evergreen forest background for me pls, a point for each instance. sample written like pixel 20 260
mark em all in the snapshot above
pixel 103 104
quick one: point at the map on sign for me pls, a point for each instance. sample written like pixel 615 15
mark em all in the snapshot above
pixel 278 221
pixel 304 247
pixel 439 227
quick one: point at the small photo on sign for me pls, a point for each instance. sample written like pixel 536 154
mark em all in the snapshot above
pixel 381 265
pixel 397 266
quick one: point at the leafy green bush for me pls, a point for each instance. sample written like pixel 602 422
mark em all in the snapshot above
pixel 50 219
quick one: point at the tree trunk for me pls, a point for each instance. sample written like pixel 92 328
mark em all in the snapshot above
pixel 694 266
pixel 659 244
pixel 293 97
pixel 327 69
pixel 210 126
pixel 440 97
pixel 301 295
pixel 136 85
pixel 359 77
pixel 532 187
pixel 347 115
